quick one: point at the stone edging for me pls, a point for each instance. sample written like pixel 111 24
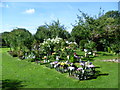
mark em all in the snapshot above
pixel 112 60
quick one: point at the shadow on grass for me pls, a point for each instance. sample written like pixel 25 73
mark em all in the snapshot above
pixel 11 84
pixel 88 59
pixel 104 74
pixel 94 76
pixel 107 55
pixel 104 54
pixel 97 75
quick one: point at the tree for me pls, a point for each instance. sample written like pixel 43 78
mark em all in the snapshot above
pixel 4 39
pixel 20 39
pixel 51 31
pixel 104 30
pixel 42 33
pixel 57 29
pixel 90 45
pixel 81 30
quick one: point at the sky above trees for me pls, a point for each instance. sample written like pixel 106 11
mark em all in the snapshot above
pixel 30 15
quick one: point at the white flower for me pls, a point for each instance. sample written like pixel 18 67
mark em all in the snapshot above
pixel 48 39
pixel 74 42
pixel 85 50
pixel 90 66
pixel 67 42
pixel 33 56
pixel 57 42
pixel 89 52
pixel 70 43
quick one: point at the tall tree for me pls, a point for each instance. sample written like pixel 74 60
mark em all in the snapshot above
pixel 51 31
pixel 104 30
pixel 42 33
pixel 20 39
pixel 4 39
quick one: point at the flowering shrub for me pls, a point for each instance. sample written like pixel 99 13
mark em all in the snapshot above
pixel 52 48
pixel 73 45
pixel 49 44
pixel 57 44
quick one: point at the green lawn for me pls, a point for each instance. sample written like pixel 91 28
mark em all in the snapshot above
pixel 30 75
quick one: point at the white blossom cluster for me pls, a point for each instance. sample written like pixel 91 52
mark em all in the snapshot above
pixel 52 41
pixel 71 42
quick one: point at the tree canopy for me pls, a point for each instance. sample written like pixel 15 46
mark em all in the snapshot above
pixel 101 33
pixel 51 31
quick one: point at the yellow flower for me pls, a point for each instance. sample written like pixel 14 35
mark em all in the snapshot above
pixel 62 63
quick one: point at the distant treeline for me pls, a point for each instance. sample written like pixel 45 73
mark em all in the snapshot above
pixel 102 33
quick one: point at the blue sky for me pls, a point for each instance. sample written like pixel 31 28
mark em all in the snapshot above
pixel 30 15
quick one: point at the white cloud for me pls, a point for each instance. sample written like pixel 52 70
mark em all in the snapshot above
pixel 30 11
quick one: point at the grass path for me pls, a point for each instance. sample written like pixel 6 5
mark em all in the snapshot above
pixel 38 76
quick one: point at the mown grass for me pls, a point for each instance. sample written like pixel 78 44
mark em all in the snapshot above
pixel 32 75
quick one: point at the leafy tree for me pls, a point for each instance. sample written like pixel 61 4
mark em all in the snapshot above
pixel 90 45
pixel 20 39
pixel 51 31
pixel 4 39
pixel 82 44
pixel 103 30
pixel 57 29
pixel 83 28
pixel 42 33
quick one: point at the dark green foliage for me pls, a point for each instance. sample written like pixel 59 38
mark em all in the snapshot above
pixel 42 33
pixel 90 45
pixel 51 31
pixel 5 39
pixel 19 40
pixel 103 31
pixel 57 29
pixel 82 44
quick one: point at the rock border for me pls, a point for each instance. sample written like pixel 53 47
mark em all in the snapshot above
pixel 112 60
